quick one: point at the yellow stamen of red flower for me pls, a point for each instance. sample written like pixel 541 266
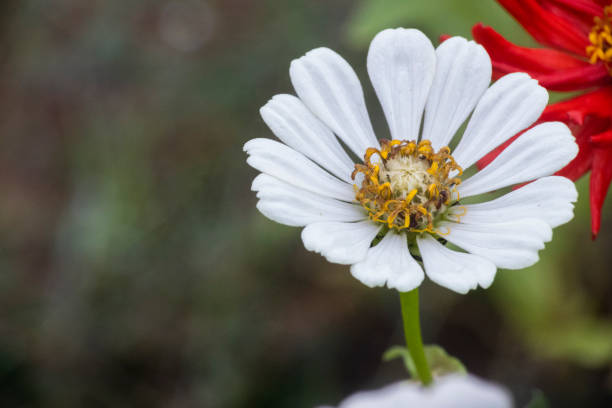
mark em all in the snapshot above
pixel 407 185
pixel 600 37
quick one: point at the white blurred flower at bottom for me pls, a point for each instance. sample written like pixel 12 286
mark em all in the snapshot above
pixel 452 391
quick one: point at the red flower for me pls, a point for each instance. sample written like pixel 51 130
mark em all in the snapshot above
pixel 578 37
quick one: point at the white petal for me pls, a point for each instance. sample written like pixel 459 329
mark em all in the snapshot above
pixel 454 270
pixel 298 128
pixel 509 245
pixel 549 199
pixel 449 391
pixel 402 64
pixel 510 105
pixel 458 391
pixel 284 163
pixel 289 205
pixel 340 242
pixel 540 151
pixel 389 261
pixel 463 73
pixel 331 90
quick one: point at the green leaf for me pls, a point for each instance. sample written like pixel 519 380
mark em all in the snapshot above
pixel 403 353
pixel 440 362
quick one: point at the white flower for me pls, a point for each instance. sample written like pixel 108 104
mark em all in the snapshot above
pixel 409 188
pixel 453 391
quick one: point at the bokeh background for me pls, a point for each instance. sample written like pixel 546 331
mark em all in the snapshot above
pixel 135 270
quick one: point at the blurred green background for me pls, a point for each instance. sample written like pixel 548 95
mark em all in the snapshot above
pixel 135 270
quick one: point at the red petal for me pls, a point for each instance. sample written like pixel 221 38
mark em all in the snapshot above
pixel 580 12
pixel 602 3
pixel 596 103
pixel 546 27
pixel 554 70
pixel 603 139
pixel 581 163
pixel 586 7
pixel 540 60
pixel 601 176
pixel 576 78
pixel 583 127
pixel 444 37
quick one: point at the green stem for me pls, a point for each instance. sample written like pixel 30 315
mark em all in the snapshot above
pixel 412 332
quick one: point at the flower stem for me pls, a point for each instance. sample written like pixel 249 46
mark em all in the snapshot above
pixel 412 332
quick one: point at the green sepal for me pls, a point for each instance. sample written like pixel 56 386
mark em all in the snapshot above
pixel 440 362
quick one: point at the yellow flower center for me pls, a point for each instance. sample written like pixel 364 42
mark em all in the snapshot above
pixel 406 184
pixel 601 40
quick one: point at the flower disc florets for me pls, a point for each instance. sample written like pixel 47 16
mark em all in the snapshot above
pixel 406 184
pixel 601 40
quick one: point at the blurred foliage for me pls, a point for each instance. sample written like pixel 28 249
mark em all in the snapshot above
pixel 136 270
pixel 557 320
pixel 538 401
pixel 434 17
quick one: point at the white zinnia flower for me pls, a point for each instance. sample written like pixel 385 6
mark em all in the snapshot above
pixel 409 188
pixel 453 391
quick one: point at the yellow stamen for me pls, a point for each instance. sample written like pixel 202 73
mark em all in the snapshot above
pixel 448 231
pixel 458 216
pixel 409 186
pixel 434 168
pixel 411 195
pixel 600 38
pixel 433 190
